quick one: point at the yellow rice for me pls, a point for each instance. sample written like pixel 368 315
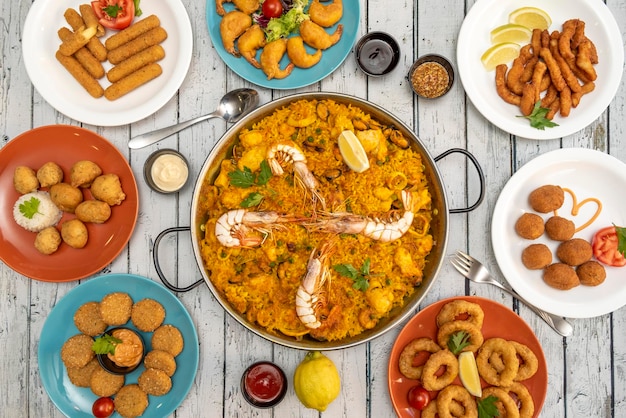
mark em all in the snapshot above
pixel 261 282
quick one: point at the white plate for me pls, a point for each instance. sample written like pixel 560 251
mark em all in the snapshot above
pixel 56 85
pixel 589 174
pixel 474 40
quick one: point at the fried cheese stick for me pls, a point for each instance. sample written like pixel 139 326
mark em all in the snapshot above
pixel 76 41
pixel 132 81
pixel 73 18
pixel 152 37
pixel 152 54
pixel 132 32
pixel 81 75
pixel 90 19
pixel 84 57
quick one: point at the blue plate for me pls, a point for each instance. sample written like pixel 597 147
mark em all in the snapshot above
pixel 75 401
pixel 299 77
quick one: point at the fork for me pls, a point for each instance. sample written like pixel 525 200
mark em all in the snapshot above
pixel 475 271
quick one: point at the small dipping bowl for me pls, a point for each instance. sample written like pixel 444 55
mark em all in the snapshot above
pixel 166 171
pixel 377 53
pixel 110 366
pixel 431 76
pixel 264 384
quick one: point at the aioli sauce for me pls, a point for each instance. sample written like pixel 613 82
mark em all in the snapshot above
pixel 169 172
pixel 129 352
pixel 263 384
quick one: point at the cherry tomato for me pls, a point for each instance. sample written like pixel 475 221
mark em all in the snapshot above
pixel 103 407
pixel 418 397
pixel 605 247
pixel 272 8
pixel 114 14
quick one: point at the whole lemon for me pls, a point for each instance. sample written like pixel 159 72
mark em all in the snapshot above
pixel 316 381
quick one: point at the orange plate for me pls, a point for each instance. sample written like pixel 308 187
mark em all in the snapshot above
pixel 64 145
pixel 500 321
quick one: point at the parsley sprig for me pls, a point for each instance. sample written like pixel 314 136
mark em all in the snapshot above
pixel 30 208
pixel 105 344
pixel 360 277
pixel 621 239
pixel 487 407
pixel 538 118
pixel 246 178
pixel 458 341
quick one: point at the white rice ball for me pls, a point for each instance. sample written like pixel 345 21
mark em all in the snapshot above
pixel 46 213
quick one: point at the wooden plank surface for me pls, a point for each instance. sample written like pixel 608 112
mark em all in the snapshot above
pixel 587 371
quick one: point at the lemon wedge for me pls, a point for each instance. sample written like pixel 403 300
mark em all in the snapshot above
pixel 531 17
pixel 352 151
pixel 500 54
pixel 468 373
pixel 511 32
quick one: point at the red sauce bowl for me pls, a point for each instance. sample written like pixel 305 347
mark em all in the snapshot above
pixel 264 384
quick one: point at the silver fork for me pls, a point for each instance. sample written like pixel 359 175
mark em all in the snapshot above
pixel 473 270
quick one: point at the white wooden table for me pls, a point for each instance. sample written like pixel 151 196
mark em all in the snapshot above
pixel 587 371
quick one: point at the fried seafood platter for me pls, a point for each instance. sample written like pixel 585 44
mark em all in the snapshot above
pixel 301 248
pixel 411 363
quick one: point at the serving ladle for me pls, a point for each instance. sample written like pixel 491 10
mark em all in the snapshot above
pixel 233 106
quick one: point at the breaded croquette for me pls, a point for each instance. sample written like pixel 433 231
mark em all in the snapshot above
pixel 81 376
pixel 591 273
pixel 115 308
pixel 162 360
pixel 546 198
pixel 536 256
pixel 560 276
pixel 76 351
pixel 154 382
pixel 131 401
pixel 560 229
pixel 574 252
pixel 529 226
pixel 147 315
pixel 103 383
pixel 88 319
pixel 168 338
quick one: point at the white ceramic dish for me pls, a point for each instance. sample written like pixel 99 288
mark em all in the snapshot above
pixel 56 85
pixel 474 40
pixel 589 174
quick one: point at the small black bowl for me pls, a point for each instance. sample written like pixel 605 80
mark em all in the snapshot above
pixel 377 53
pixel 153 182
pixel 264 384
pixel 431 76
pixel 110 366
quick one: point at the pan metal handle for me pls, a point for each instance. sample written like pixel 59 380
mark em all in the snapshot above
pixel 479 170
pixel 155 256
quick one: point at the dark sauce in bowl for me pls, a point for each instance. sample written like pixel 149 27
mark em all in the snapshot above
pixel 264 384
pixel 377 53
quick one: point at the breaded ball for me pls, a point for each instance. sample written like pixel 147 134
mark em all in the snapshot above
pixel 529 226
pixel 93 211
pixel 131 401
pixel 168 338
pixel 76 351
pixel 108 188
pixel 591 273
pixel 155 382
pixel 560 276
pixel 83 173
pixel 546 198
pixel 65 196
pixel 147 315
pixel 88 320
pixel 81 376
pixel 536 256
pixel 74 233
pixel 560 229
pixel 574 252
pixel 50 173
pixel 48 240
pixel 115 308
pixel 25 179
pixel 103 383
pixel 162 360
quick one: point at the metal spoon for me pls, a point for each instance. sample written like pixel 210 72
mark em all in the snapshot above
pixel 233 106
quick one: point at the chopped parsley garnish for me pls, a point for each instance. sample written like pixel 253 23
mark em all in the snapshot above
pixel 253 199
pixel 360 277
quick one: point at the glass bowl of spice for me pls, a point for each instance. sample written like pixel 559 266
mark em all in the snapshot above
pixel 377 53
pixel 166 171
pixel 431 76
pixel 264 384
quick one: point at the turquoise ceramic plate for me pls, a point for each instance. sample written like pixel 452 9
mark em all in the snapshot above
pixel 331 58
pixel 74 401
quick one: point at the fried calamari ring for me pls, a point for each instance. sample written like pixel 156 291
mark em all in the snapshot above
pixel 505 404
pixel 491 374
pixel 450 328
pixel 524 399
pixel 410 351
pixel 451 311
pixel 430 411
pixel 528 365
pixel 452 394
pixel 430 379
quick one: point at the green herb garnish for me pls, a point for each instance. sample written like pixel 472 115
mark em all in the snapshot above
pixel 360 277
pixel 30 207
pixel 138 11
pixel 112 10
pixel 487 407
pixel 105 344
pixel 621 239
pixel 253 199
pixel 246 178
pixel 538 118
pixel 458 341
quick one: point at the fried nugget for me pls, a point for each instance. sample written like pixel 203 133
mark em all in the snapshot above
pixel 574 252
pixel 50 173
pixel 131 401
pixel 65 196
pixel 74 233
pixel 83 173
pixel 48 240
pixel 529 226
pixel 162 360
pixel 103 383
pixel 147 315
pixel 81 376
pixel 168 338
pixel 536 256
pixel 560 229
pixel 93 211
pixel 154 382
pixel 560 276
pixel 88 320
pixel 108 188
pixel 76 351
pixel 115 308
pixel 591 273
pixel 25 179
pixel 546 198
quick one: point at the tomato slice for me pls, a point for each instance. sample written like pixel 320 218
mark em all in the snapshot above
pixel 114 14
pixel 605 244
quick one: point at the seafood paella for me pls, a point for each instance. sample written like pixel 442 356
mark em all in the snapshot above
pixel 299 243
